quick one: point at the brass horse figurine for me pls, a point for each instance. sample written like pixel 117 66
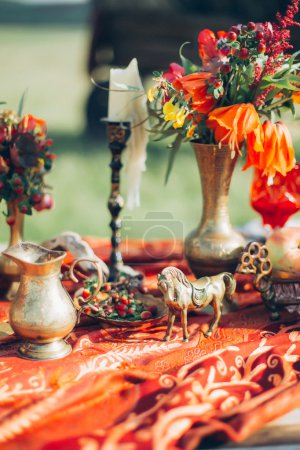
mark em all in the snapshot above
pixel 182 295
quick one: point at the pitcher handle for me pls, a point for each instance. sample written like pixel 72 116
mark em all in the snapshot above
pixel 100 277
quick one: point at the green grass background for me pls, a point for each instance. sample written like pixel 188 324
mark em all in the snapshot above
pixel 51 63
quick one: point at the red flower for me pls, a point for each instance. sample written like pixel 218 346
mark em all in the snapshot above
pixel 207 42
pixel 174 73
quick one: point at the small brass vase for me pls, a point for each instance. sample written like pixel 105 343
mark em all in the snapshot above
pixel 9 270
pixel 215 246
pixel 42 312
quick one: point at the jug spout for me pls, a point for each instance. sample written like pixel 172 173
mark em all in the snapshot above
pixel 34 259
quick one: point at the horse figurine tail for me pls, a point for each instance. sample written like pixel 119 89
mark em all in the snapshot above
pixel 230 284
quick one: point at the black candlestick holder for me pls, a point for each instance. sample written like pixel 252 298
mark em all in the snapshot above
pixel 118 134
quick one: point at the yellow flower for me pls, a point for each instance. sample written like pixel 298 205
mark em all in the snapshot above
pixel 173 112
pixel 151 94
pixel 180 118
pixel 170 110
pixel 190 131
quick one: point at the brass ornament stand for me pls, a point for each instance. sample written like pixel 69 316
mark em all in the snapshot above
pixel 277 289
pixel 118 134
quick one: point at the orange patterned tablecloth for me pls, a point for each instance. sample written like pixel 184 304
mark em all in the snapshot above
pixel 127 389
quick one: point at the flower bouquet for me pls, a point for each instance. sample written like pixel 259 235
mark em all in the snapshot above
pixel 228 102
pixel 25 157
pixel 245 79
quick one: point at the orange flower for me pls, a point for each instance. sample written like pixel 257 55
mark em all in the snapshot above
pixel 195 88
pixel 30 124
pixel 232 124
pixel 278 153
pixel 296 97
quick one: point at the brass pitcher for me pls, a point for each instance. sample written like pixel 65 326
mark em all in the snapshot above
pixel 43 312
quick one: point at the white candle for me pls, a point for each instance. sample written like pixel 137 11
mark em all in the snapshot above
pixel 127 102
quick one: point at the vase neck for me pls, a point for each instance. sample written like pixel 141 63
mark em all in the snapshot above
pixel 216 168
pixel 17 229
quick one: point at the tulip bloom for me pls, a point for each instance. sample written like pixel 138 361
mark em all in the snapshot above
pixel 278 153
pixel 232 124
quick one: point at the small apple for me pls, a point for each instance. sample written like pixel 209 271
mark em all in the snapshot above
pixel 284 250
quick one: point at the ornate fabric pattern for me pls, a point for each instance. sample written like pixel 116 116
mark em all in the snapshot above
pixel 127 389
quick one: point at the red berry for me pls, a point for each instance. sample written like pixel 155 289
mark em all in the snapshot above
pixel 36 198
pixel 24 209
pixel 217 83
pixel 130 311
pixel 244 53
pixel 19 190
pixel 121 307
pixel 122 313
pixel 107 287
pixel 45 203
pixel 225 68
pixel 232 36
pixel 259 34
pixel 11 220
pixel 85 294
pixel 17 181
pixel 251 26
pixel 261 48
pixel 124 300
pixel 144 290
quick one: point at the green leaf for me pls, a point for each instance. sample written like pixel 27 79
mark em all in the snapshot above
pixel 22 102
pixel 172 155
pixel 189 66
pixel 282 83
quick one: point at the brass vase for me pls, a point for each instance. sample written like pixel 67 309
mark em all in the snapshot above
pixel 214 246
pixel 9 271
